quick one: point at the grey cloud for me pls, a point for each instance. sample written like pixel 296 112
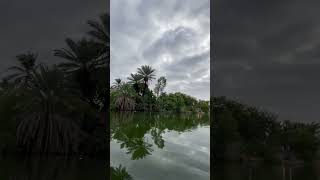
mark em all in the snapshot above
pixel 192 62
pixel 42 25
pixel 173 41
pixel 267 55
pixel 172 36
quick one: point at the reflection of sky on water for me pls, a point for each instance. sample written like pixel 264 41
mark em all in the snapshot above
pixel 184 156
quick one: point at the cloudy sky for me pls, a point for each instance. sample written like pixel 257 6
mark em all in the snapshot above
pixel 172 36
pixel 42 25
pixel 268 54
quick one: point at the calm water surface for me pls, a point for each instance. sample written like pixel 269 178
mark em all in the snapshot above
pixel 153 147
pixel 51 169
pixel 161 146
pixel 266 172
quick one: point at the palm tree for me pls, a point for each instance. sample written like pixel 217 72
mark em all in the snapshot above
pixel 147 73
pixel 117 83
pixel 135 80
pixel 46 112
pixel 82 55
pixel 27 64
pixel 125 98
pixel 100 30
pixel 84 60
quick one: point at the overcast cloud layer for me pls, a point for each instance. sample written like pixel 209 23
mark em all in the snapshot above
pixel 172 36
pixel 268 54
pixel 42 25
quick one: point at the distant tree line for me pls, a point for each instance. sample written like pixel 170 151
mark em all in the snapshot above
pixel 242 132
pixel 136 95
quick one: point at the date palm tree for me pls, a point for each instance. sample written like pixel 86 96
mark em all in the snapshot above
pixel 46 112
pixel 147 73
pixel 84 61
pixel 117 83
pixel 125 98
pixel 27 64
pixel 135 80
pixel 100 30
pixel 81 55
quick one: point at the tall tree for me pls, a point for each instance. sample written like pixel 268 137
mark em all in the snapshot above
pixel 47 109
pixel 148 74
pixel 135 80
pixel 159 88
pixel 117 83
pixel 100 31
pixel 84 60
pixel 23 71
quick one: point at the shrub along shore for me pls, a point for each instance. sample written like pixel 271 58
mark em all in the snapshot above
pixel 246 133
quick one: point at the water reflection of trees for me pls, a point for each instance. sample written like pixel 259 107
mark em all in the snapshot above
pixel 235 171
pixel 51 169
pixel 130 129
pixel 59 169
pixel 119 173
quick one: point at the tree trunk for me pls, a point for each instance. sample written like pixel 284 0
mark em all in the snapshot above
pixel 145 88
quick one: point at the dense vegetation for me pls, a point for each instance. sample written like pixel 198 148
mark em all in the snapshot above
pixel 60 108
pixel 136 95
pixel 245 132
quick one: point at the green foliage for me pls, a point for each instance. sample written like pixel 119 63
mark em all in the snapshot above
pixel 27 64
pixel 300 139
pixel 147 74
pixel 59 109
pixel 180 102
pixel 100 30
pixel 45 114
pixel 137 84
pixel 122 97
pixel 84 62
pixel 119 173
pixel 159 88
pixel 203 106
pixel 260 133
pixel 117 83
pixel 147 100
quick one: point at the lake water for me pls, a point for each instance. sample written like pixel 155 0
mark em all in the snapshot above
pixel 238 171
pixel 160 146
pixel 153 147
pixel 51 169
